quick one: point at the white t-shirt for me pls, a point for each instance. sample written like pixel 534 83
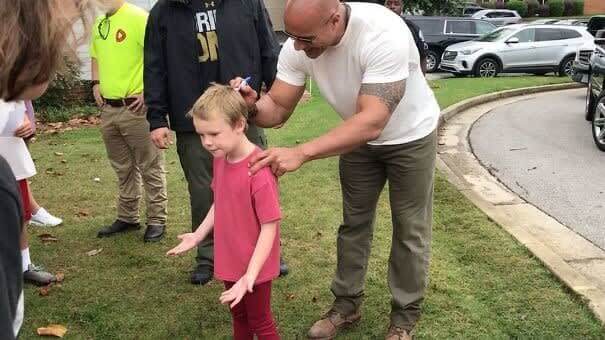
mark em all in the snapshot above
pixel 13 149
pixel 377 47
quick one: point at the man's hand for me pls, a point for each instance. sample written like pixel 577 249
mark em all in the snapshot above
pixel 96 92
pixel 188 241
pixel 250 96
pixel 237 291
pixel 281 160
pixel 138 105
pixel 25 129
pixel 161 138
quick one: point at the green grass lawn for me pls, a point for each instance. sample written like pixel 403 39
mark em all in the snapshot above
pixel 483 284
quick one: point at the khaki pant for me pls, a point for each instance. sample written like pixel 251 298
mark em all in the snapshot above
pixel 409 168
pixel 137 163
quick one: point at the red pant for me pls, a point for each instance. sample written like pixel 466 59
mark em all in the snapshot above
pixel 25 203
pixel 252 315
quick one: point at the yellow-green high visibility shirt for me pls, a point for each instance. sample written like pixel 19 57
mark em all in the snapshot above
pixel 117 45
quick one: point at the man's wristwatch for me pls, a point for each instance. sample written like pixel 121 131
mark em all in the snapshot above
pixel 95 82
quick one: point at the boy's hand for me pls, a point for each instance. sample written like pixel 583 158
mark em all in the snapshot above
pixel 237 291
pixel 188 241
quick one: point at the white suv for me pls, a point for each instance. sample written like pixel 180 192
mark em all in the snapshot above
pixel 537 49
pixel 498 17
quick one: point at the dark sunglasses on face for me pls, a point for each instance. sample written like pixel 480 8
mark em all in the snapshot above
pixel 306 40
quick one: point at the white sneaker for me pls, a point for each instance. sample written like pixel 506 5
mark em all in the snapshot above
pixel 43 218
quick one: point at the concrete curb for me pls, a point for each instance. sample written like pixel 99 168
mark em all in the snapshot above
pixel 454 109
pixel 575 261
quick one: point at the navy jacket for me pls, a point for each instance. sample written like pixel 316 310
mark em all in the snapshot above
pixel 246 43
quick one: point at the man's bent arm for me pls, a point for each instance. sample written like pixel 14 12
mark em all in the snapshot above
pixel 275 107
pixel 375 104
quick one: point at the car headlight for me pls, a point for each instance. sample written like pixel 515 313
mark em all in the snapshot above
pixel 469 51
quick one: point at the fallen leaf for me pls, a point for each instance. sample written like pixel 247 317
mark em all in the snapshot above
pixel 290 297
pixel 43 291
pixel 63 161
pixel 83 213
pixel 50 171
pixel 58 153
pixel 94 252
pixel 59 277
pixel 314 299
pixel 48 238
pixel 53 330
pixel 96 179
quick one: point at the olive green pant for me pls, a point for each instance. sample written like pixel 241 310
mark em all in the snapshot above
pixel 137 163
pixel 409 169
pixel 197 166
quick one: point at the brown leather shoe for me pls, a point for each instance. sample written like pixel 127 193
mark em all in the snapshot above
pixel 398 333
pixel 327 327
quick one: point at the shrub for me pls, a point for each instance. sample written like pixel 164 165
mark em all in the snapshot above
pixel 578 7
pixel 544 10
pixel 61 90
pixel 489 5
pixel 568 8
pixel 500 4
pixel 556 8
pixel 532 7
pixel 519 6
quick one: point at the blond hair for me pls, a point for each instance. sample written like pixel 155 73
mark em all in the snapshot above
pixel 36 37
pixel 220 100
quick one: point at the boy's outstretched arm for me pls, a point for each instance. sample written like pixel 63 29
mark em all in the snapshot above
pixel 190 240
pixel 261 252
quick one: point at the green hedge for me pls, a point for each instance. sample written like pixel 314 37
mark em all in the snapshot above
pixel 517 5
pixel 556 8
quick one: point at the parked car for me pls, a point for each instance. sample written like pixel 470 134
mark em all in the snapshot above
pixel 537 49
pixel 595 94
pixel 498 17
pixel 441 32
pixel 471 8
pixel 572 22
pixel 544 21
pixel 581 64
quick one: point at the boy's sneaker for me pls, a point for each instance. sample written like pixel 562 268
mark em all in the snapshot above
pixel 43 219
pixel 37 275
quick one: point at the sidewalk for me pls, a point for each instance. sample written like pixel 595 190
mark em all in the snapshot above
pixel 574 260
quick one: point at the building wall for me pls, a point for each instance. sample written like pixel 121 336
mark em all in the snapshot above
pixel 594 7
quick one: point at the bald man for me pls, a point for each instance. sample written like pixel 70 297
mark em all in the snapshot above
pixel 366 65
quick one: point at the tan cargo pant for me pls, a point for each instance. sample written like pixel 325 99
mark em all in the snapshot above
pixel 137 163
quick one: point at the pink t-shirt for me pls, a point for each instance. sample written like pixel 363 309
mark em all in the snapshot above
pixel 241 204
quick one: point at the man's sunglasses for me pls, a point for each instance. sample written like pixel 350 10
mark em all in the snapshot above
pixel 104 27
pixel 306 40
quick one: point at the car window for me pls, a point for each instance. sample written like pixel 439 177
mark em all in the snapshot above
pixel 570 34
pixel 508 15
pixel 497 34
pixel 548 34
pixel 493 15
pixel 429 27
pixel 526 35
pixel 482 27
pixel 459 27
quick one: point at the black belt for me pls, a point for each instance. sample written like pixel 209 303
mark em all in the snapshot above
pixel 119 102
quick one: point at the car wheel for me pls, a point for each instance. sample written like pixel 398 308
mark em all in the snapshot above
pixel 432 61
pixel 590 102
pixel 487 68
pixel 598 124
pixel 566 67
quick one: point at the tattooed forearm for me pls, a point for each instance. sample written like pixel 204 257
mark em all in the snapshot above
pixel 389 93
